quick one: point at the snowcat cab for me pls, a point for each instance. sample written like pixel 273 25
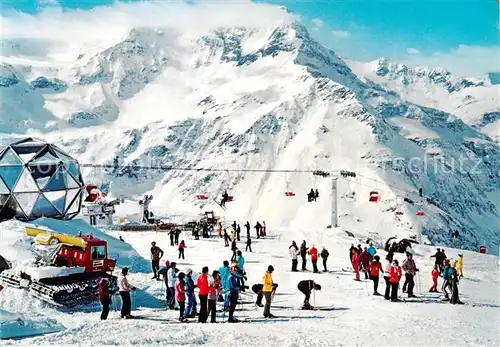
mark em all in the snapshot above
pixel 66 270
pixel 210 218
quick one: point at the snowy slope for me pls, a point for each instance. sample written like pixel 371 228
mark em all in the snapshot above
pixel 476 101
pixel 254 97
pixel 375 321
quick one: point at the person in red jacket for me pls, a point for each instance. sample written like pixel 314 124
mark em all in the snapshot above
pixel 202 284
pixel 104 295
pixel 435 275
pixel 181 248
pixel 355 263
pixel 395 274
pixel 374 269
pixel 313 252
pixel 364 261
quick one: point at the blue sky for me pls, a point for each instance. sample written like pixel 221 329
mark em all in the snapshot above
pixel 461 35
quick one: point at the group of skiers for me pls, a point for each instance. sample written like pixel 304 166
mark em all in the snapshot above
pixel 295 252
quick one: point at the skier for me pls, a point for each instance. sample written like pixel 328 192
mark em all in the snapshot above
pixel 372 250
pixel 446 279
pixel 410 270
pixel 225 198
pixel 177 232
pixel 258 228
pixel 374 269
pixel 257 289
pixel 172 276
pixel 171 234
pixel 435 275
pixel 227 238
pixel 214 290
pixel 238 231
pixel 313 252
pixel 294 252
pixel 247 226
pixel 460 265
pixel 364 262
pixel 453 278
pixel 355 263
pixel 249 244
pixel 241 263
pixel 234 289
pixel 180 295
pixel 225 273
pixel 324 254
pixel 387 274
pixel 104 295
pixel 156 255
pixel 234 248
pixel 190 311
pixel 203 286
pixel 395 276
pixel 264 233
pixel 267 289
pixel 196 231
pixel 306 287
pixel 182 247
pixel 439 259
pixel 303 252
pixel 125 289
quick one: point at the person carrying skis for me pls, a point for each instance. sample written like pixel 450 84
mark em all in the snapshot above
pixel 313 252
pixel 306 287
pixel 180 295
pixel 410 269
pixel 435 276
pixel 294 252
pixel 460 266
pixel 181 248
pixel 248 246
pixel 203 286
pixel 156 255
pixel 172 276
pixel 364 262
pixel 355 263
pixel 303 253
pixel 453 278
pixel 375 268
pixel 214 290
pixel 234 290
pixel 190 311
pixel 125 289
pixel 104 295
pixel 395 274
pixel 324 255
pixel 267 289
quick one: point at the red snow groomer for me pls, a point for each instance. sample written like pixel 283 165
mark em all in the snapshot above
pixel 66 270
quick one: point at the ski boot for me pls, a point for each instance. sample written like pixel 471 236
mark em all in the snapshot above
pixel 306 306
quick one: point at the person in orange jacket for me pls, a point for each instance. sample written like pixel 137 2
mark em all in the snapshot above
pixel 355 263
pixel 374 269
pixel 395 274
pixel 181 248
pixel 313 252
pixel 435 275
pixel 202 284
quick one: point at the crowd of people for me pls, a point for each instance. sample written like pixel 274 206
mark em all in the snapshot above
pixel 226 284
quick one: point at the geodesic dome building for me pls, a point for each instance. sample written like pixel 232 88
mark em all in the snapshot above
pixel 38 179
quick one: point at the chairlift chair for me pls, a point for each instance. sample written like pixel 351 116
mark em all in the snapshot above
pixel 202 196
pixel 374 196
pixel 288 191
pixel 420 213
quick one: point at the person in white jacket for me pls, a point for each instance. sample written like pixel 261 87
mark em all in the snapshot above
pixel 125 289
pixel 171 278
pixel 387 267
pixel 294 252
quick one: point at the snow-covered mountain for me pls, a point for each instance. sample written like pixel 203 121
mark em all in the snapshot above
pixel 263 98
pixel 474 100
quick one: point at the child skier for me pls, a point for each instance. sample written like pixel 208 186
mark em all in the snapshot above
pixel 180 295
pixel 395 277
pixel 435 275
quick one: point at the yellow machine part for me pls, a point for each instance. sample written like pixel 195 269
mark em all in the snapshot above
pixel 46 237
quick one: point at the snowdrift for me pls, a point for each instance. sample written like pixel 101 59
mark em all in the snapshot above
pixel 13 326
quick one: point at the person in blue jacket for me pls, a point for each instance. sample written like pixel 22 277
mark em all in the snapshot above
pixel 446 278
pixel 372 251
pixel 234 290
pixel 190 311
pixel 241 263
pixel 225 272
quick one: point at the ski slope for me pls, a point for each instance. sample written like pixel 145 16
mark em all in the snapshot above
pixel 358 318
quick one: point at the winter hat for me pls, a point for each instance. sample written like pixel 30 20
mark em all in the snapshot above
pixel 167 263
pixel 270 268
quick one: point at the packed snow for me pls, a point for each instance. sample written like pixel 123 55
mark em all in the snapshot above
pixel 17 326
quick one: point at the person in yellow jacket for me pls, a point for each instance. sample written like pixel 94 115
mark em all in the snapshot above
pixel 267 289
pixel 460 266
